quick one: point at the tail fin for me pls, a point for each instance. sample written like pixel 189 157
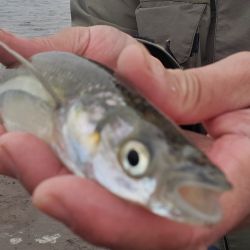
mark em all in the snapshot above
pixel 33 71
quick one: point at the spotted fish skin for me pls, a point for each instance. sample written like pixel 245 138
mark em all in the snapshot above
pixel 97 120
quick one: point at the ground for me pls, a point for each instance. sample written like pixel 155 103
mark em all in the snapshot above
pixel 22 227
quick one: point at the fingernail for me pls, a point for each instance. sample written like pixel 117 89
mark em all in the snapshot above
pixel 51 205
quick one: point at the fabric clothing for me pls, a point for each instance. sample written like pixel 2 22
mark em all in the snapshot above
pixel 198 31
pixel 120 14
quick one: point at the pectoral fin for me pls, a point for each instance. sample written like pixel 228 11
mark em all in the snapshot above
pixel 21 111
pixel 34 71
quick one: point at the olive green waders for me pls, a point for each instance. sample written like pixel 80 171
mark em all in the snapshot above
pixel 197 32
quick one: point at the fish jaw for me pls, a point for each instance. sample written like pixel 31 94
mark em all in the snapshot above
pixel 191 196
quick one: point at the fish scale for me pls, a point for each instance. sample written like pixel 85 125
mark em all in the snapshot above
pixel 105 131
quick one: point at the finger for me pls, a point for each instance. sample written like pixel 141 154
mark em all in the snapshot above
pixel 189 96
pixel 236 122
pixel 231 153
pixel 27 158
pixel 99 43
pixel 69 39
pixel 103 219
pixel 24 46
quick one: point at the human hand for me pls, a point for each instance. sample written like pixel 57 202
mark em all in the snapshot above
pixel 187 96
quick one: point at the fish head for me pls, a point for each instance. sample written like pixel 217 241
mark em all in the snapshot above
pixel 135 160
pixel 184 185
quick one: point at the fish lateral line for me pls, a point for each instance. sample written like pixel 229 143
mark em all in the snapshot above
pixel 58 102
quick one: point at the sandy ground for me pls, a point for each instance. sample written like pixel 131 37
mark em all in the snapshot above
pixel 22 227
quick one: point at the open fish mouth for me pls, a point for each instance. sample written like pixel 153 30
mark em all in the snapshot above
pixel 201 200
pixel 191 202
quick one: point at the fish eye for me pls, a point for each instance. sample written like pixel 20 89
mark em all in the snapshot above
pixel 134 158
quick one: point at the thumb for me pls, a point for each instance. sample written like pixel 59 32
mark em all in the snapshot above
pixel 193 95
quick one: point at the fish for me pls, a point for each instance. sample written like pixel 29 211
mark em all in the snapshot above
pixel 103 130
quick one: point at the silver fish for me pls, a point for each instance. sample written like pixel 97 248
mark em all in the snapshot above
pixel 102 130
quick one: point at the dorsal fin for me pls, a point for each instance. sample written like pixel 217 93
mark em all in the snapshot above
pixel 33 71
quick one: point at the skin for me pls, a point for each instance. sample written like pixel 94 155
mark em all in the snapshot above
pixel 217 95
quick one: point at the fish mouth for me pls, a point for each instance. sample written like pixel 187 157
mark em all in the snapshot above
pixel 190 202
pixel 200 202
pixel 191 194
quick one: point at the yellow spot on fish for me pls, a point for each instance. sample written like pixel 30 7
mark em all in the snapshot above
pixel 94 138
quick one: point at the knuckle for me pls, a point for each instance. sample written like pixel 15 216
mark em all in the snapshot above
pixel 189 91
pixel 81 39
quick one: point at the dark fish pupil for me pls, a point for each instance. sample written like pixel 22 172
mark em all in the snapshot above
pixel 133 158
